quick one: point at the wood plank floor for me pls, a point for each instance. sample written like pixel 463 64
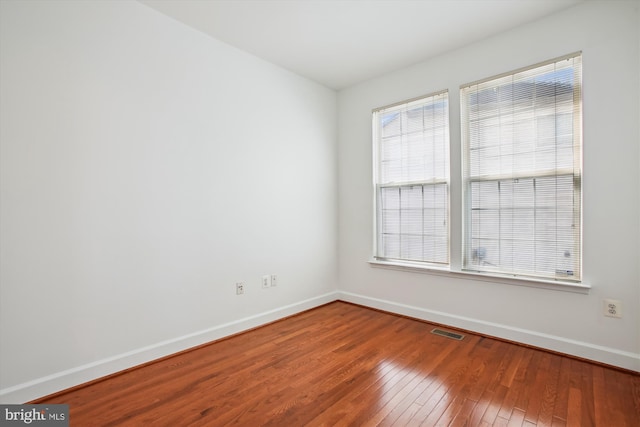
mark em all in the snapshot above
pixel 345 365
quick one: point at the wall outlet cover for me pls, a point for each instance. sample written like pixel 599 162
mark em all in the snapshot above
pixel 612 308
pixel 266 281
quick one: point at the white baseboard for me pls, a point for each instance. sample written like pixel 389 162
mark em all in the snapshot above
pixel 610 356
pixel 39 387
pixel 62 380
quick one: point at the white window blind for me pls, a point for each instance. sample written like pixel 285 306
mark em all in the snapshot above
pixel 412 180
pixel 522 171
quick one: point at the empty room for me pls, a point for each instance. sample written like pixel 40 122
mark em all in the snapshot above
pixel 310 212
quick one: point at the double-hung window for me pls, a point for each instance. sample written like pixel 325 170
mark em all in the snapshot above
pixel 522 143
pixel 412 181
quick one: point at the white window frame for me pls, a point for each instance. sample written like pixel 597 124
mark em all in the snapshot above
pixel 403 185
pixel 536 261
pixel 456 268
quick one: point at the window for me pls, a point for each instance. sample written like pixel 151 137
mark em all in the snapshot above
pixel 412 180
pixel 522 145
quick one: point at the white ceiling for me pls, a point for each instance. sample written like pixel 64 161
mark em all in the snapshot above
pixel 339 43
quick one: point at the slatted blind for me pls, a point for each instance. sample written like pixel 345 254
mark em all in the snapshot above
pixel 522 171
pixel 412 180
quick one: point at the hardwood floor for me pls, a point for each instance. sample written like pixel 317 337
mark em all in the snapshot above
pixel 345 365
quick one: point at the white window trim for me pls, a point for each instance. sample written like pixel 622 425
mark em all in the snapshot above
pixel 377 186
pixel 557 285
pixel 454 270
pixel 467 180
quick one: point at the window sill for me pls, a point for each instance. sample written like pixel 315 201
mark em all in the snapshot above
pixel 556 285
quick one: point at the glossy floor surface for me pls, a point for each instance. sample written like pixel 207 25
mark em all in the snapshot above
pixel 345 365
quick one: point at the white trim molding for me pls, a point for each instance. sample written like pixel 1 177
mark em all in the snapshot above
pixel 584 350
pixel 556 285
pixel 40 387
pixel 59 381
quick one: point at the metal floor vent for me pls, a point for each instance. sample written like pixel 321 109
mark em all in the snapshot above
pixel 447 334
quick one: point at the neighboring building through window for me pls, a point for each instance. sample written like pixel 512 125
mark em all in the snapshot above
pixel 522 151
pixel 412 180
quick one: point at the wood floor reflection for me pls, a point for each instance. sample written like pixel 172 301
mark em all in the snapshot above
pixel 345 365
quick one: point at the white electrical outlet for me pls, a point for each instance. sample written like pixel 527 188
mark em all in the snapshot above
pixel 266 281
pixel 239 288
pixel 274 280
pixel 612 308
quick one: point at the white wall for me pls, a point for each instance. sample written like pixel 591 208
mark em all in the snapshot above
pixel 607 34
pixel 146 168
